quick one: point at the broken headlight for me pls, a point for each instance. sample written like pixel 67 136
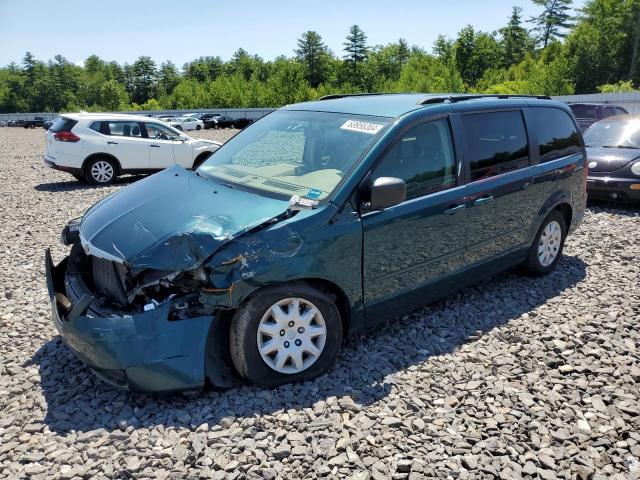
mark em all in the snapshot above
pixel 71 232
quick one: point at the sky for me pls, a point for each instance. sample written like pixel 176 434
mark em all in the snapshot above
pixel 181 31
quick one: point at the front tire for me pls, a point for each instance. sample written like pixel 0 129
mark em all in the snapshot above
pixel 546 250
pixel 198 127
pixel 101 171
pixel 285 334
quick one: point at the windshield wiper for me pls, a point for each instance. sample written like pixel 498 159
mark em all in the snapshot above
pixel 620 146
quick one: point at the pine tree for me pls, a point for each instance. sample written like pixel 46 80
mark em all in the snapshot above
pixel 515 39
pixel 553 21
pixel 356 53
pixel 313 53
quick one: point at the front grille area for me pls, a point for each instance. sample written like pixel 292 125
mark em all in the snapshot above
pixel 108 279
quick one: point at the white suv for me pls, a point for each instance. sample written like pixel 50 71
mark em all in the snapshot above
pixel 99 147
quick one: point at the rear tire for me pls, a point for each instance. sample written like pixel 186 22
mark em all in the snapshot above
pixel 285 334
pixel 100 171
pixel 198 127
pixel 546 249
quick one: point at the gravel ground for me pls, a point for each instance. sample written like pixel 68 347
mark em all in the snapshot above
pixel 517 378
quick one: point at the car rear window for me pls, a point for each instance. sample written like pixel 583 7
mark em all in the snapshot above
pixel 495 143
pixel 585 111
pixel 62 124
pixel 557 134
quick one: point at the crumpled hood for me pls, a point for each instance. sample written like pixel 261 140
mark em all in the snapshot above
pixel 610 159
pixel 172 221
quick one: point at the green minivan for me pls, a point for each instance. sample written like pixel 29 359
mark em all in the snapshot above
pixel 320 219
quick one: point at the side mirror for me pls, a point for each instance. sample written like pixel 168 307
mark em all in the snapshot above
pixel 387 192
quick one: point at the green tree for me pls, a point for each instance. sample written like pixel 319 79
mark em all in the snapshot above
pixel 313 54
pixel 554 20
pixel 516 41
pixel 113 96
pixel 203 68
pixel 620 87
pixel 474 53
pixel 168 77
pixel 143 79
pixel 601 44
pixel 356 53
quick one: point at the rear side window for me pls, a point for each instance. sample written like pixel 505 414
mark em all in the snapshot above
pixel 62 124
pixel 585 111
pixel 557 134
pixel 423 157
pixel 495 143
pixel 124 129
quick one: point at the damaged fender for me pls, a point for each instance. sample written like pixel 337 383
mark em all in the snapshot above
pixel 141 352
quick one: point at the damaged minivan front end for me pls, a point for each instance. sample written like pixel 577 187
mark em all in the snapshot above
pixel 138 298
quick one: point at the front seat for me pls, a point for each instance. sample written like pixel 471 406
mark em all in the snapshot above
pixel 136 131
pixel 126 131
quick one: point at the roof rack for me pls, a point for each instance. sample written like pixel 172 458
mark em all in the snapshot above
pixel 461 98
pixel 343 95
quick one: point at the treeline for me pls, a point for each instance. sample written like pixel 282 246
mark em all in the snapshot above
pixel 560 51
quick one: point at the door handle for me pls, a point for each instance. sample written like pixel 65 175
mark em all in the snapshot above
pixel 112 143
pixel 155 146
pixel 482 200
pixel 454 209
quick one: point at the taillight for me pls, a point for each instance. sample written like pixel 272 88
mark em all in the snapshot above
pixel 66 137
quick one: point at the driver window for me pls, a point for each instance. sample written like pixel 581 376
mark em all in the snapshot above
pixel 158 132
pixel 423 157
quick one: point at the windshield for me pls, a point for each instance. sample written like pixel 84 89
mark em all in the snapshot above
pixel 617 133
pixel 295 153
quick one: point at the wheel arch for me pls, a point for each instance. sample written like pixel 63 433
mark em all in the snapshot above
pixel 323 285
pixel 219 370
pixel 101 154
pixel 567 213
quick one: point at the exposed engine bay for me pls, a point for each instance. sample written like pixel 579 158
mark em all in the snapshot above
pixel 127 291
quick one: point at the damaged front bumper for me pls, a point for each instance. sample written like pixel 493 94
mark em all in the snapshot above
pixel 143 351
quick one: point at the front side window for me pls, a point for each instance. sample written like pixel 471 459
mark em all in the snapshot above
pixel 295 152
pixel 158 132
pixel 423 157
pixel 123 129
pixel 556 132
pixel 495 143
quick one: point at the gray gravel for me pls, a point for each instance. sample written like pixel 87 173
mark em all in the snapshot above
pixel 517 378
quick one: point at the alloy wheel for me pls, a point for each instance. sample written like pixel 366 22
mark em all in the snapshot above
pixel 549 244
pixel 291 335
pixel 102 171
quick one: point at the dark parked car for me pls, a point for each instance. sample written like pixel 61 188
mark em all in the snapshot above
pixel 210 122
pixel 206 116
pixel 222 121
pixel 589 113
pixel 322 219
pixel 241 123
pixel 613 150
pixel 36 122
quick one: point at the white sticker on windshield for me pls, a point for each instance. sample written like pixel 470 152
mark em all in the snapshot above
pixel 363 127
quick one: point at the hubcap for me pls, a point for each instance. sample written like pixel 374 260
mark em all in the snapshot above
pixel 549 244
pixel 102 171
pixel 291 335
